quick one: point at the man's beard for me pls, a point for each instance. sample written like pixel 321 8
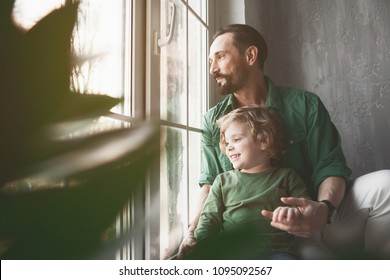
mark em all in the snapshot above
pixel 231 85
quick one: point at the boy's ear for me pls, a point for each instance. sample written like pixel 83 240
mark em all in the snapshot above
pixel 263 144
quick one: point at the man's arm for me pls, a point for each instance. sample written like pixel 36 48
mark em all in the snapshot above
pixel 314 213
pixel 332 189
pixel 326 158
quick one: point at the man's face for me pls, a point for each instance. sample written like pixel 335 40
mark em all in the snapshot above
pixel 227 65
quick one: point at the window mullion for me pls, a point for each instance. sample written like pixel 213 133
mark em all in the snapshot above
pixel 152 111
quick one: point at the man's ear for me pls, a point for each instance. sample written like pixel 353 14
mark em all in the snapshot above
pixel 251 55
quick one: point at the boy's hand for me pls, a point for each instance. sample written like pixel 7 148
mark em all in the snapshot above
pixel 313 217
pixel 286 215
pixel 188 243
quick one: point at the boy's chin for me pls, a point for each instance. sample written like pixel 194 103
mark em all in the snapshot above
pixel 237 167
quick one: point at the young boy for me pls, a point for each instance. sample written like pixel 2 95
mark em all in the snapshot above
pixel 252 138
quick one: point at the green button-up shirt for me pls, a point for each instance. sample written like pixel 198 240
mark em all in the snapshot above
pixel 314 145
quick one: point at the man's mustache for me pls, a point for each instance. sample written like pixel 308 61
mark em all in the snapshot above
pixel 220 76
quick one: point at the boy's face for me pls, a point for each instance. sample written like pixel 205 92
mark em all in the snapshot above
pixel 244 152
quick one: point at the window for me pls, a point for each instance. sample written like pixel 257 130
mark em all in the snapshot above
pixel 153 54
pixel 104 38
pixel 183 101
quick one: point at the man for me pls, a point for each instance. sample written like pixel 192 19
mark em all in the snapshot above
pixel 237 57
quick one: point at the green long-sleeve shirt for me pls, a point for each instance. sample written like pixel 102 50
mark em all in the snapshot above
pixel 236 200
pixel 314 143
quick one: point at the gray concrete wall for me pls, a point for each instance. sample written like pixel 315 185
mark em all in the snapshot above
pixel 341 51
pixel 230 11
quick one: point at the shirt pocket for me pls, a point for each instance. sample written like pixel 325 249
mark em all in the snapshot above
pixel 296 156
pixel 295 138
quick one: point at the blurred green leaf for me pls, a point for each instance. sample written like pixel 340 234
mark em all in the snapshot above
pixel 109 167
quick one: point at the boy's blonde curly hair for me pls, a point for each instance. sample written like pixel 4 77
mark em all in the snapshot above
pixel 264 125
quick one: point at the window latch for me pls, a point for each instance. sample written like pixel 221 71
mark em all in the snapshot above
pixel 164 41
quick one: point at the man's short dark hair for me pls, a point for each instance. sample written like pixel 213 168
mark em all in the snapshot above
pixel 245 36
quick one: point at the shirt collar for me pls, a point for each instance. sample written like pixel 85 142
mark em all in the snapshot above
pixel 273 98
pixel 230 104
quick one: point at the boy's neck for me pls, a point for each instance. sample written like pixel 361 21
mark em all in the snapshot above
pixel 259 169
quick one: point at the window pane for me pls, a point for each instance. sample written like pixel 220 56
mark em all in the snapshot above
pixel 173 190
pixel 199 6
pixel 99 35
pixel 183 79
pixel 197 70
pixel 98 38
pixel 173 66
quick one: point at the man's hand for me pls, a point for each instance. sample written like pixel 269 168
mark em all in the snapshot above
pixel 313 217
pixel 188 243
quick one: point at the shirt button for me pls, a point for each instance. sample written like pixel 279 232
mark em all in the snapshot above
pixel 291 141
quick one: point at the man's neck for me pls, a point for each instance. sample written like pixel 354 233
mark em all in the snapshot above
pixel 255 92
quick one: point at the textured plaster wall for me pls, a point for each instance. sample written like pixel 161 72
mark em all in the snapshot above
pixel 230 11
pixel 341 51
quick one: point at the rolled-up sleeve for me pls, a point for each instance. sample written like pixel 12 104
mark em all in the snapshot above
pixel 324 145
pixel 210 166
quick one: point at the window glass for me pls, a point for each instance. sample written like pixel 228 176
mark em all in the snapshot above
pixel 173 63
pixel 173 182
pixel 98 42
pixel 199 7
pixel 197 87
pixel 183 89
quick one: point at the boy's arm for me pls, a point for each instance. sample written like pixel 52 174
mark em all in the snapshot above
pixel 209 221
pixel 204 193
pixel 189 240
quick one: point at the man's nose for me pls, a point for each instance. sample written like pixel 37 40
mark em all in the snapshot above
pixel 214 69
